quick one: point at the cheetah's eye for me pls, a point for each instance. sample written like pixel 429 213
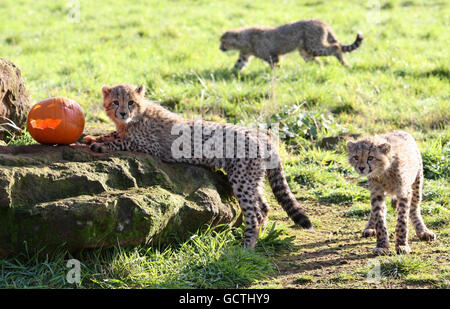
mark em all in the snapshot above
pixel 130 103
pixel 116 103
pixel 370 158
pixel 355 158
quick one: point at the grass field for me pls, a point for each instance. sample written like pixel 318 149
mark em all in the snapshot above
pixel 398 79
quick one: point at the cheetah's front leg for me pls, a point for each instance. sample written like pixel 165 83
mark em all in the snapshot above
pixel 242 62
pixel 99 147
pixel 379 213
pixel 89 139
pixel 274 61
pixel 114 145
pixel 369 230
pixel 401 230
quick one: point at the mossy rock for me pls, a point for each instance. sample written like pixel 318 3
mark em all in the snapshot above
pixel 67 196
pixel 14 98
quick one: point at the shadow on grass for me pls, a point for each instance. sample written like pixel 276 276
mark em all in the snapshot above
pixel 442 73
pixel 439 72
pixel 328 256
pixel 311 265
pixel 346 243
pixel 370 68
pixel 222 74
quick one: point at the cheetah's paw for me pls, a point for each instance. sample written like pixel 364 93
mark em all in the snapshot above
pixel 368 233
pixel 403 249
pixel 381 251
pixel 89 140
pixel 426 235
pixel 99 147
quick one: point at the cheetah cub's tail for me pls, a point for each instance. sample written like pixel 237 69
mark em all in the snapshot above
pixel 354 45
pixel 284 196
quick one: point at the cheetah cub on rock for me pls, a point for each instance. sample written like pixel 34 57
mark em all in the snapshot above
pixel 393 165
pixel 246 155
pixel 312 38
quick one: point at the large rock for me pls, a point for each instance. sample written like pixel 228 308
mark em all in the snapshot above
pixel 54 196
pixel 14 99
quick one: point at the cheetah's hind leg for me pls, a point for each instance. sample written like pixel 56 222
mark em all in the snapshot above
pixel 394 202
pixel 248 200
pixel 263 209
pixel 421 230
pixel 307 57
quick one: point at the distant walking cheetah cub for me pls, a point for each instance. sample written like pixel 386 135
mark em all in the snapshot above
pixel 311 37
pixel 393 165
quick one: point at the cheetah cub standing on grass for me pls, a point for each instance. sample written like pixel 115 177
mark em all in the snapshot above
pixel 245 154
pixel 393 165
pixel 312 38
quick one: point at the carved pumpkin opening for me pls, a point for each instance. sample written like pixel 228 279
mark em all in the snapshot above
pixel 45 123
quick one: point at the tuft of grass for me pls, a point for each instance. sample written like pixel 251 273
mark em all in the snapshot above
pixel 423 278
pixel 14 134
pixel 436 222
pixel 31 270
pixel 342 278
pixel 400 266
pixel 272 242
pixel 303 279
pixel 444 279
pixel 298 125
pixel 20 138
pixel 209 259
pixel 436 161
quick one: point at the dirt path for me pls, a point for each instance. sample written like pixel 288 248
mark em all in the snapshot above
pixel 335 255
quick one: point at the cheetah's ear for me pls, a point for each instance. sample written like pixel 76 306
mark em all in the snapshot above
pixel 106 91
pixel 350 145
pixel 141 90
pixel 385 148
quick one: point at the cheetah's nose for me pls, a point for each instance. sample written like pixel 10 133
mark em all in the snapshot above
pixel 361 168
pixel 123 114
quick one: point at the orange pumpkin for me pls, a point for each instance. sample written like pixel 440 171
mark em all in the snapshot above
pixel 56 121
